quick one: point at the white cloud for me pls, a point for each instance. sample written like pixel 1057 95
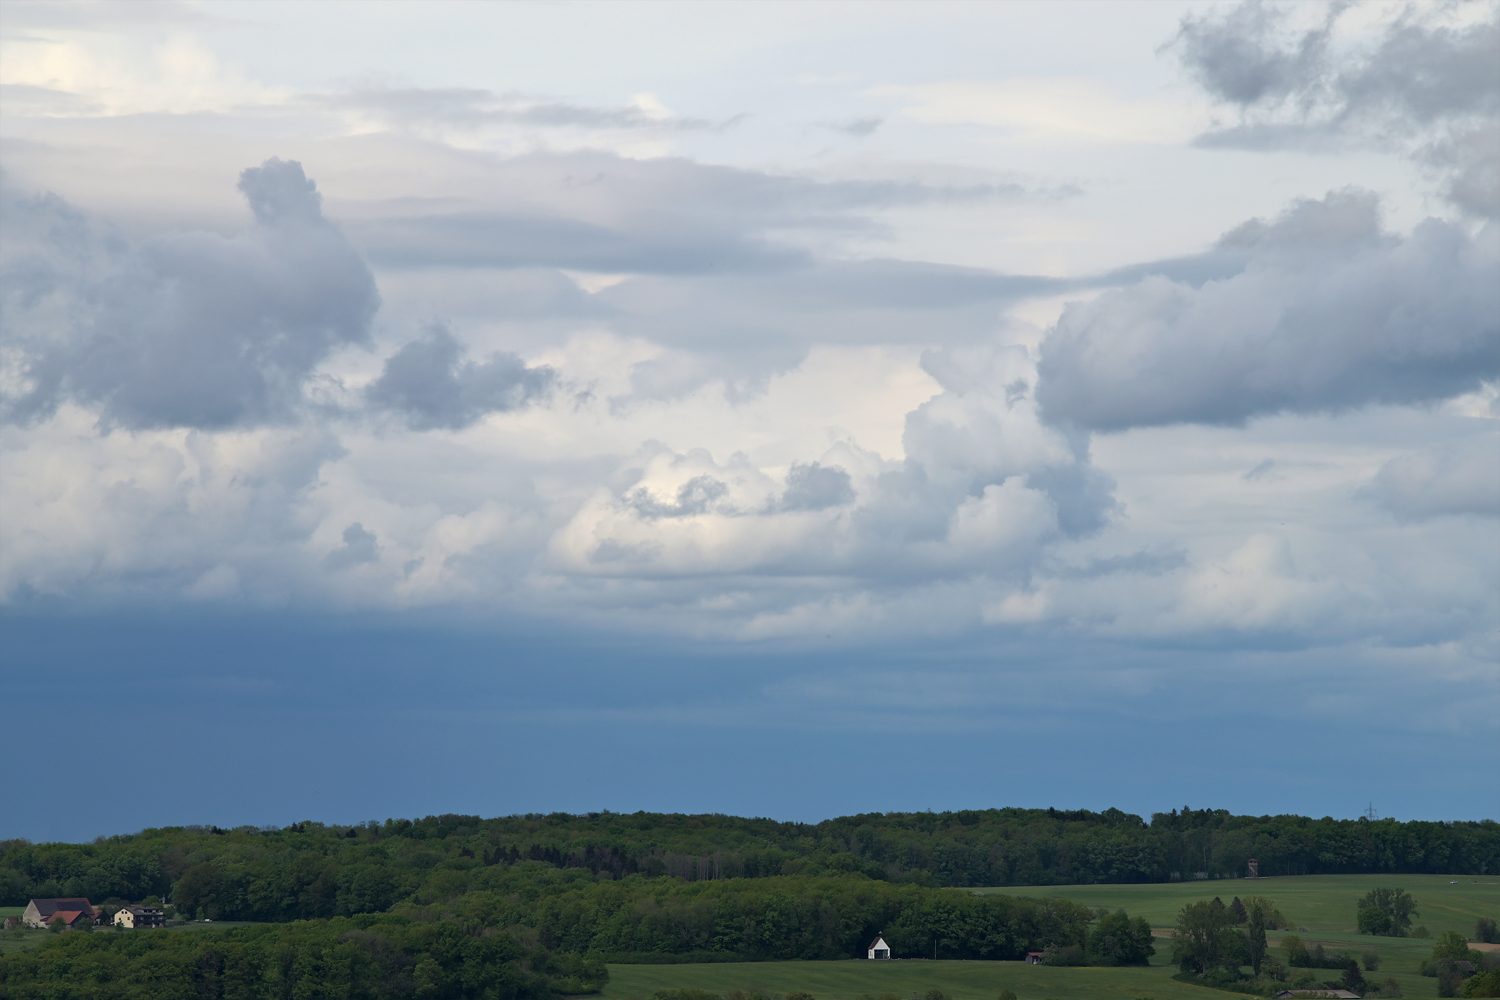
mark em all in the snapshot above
pixel 1067 109
pixel 711 393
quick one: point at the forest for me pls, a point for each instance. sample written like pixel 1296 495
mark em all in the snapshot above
pixel 313 869
pixel 530 907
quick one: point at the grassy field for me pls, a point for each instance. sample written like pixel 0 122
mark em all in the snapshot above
pixel 960 980
pixel 1324 904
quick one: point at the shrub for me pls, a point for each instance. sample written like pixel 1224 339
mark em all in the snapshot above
pixel 1485 931
pixel 1374 920
pixel 1067 954
pixel 1484 985
pixel 1372 960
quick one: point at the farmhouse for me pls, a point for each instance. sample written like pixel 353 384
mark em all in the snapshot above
pixel 879 949
pixel 136 917
pixel 41 912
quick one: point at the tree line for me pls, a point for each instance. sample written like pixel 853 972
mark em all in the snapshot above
pixel 537 931
pixel 361 958
pixel 315 870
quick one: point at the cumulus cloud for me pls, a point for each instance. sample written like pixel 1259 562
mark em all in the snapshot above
pixel 984 489
pixel 360 546
pixel 432 385
pixel 815 487
pixel 1462 478
pixel 1427 85
pixel 1329 313
pixel 186 329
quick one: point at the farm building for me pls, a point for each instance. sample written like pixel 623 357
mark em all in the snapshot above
pixel 41 912
pixel 879 949
pixel 1033 958
pixel 136 917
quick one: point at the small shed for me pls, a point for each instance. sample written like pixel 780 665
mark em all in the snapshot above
pixel 878 948
pixel 1033 958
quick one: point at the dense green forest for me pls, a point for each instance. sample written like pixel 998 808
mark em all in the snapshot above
pixel 532 930
pixel 531 907
pixel 314 870
pixel 363 957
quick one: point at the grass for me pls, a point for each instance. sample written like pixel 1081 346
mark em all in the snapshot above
pixel 1324 904
pixel 959 980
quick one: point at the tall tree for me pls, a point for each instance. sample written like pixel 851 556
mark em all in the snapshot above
pixel 1204 935
pixel 1256 938
pixel 1397 906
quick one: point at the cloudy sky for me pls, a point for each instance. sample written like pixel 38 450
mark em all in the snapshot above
pixel 773 408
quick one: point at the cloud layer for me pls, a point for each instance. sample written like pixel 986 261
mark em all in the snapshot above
pixel 186 329
pixel 1425 83
pixel 1328 314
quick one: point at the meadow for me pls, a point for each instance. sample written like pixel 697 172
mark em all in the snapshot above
pixel 846 980
pixel 1324 904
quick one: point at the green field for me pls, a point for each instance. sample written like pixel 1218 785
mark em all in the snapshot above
pixel 1324 904
pixel 959 980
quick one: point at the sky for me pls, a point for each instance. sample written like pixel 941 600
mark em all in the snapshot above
pixel 775 409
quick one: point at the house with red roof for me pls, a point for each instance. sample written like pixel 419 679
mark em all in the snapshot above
pixel 42 912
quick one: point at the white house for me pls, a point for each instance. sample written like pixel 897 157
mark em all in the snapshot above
pixel 135 917
pixel 879 949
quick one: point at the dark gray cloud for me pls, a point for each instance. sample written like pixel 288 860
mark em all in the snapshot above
pixel 431 384
pixel 1329 313
pixel 187 329
pixel 1425 87
pixel 816 487
pixel 360 546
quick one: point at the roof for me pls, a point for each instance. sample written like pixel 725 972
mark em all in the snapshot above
pixel 879 939
pixel 47 907
pixel 141 911
pixel 69 917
